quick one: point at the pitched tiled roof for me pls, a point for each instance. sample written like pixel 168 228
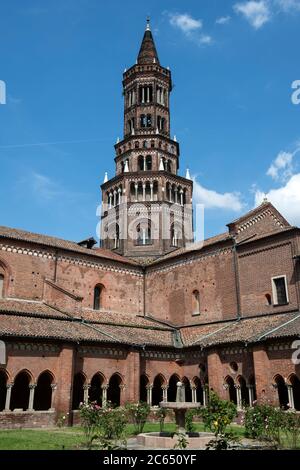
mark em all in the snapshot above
pixel 29 307
pixel 197 246
pixel 22 235
pixel 246 330
pixel 35 319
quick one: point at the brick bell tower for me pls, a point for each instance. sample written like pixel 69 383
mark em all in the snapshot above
pixel 146 211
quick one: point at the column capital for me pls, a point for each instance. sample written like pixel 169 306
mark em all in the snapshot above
pixel 122 386
pixel 149 387
pixel 54 386
pixel 10 385
pixel 104 387
pixel 32 386
pixel 86 387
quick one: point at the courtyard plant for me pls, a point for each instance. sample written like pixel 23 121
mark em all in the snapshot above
pixel 105 425
pixel 138 413
pixel 217 416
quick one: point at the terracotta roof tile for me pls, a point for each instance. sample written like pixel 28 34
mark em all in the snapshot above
pixel 22 235
pixel 29 307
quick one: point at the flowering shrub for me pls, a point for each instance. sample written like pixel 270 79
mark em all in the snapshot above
pixel 62 420
pixel 161 414
pixel 268 422
pixel 264 422
pixel 216 417
pixel 107 425
pixel 138 414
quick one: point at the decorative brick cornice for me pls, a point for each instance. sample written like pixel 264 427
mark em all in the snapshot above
pixel 34 347
pixel 75 260
pixel 264 249
pixel 116 353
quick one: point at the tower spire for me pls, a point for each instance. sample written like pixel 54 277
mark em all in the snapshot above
pixel 147 53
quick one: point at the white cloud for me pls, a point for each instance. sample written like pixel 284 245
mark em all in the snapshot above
pixel 214 200
pixel 282 166
pixel 223 20
pixel 191 28
pixel 44 187
pixel 286 199
pixel 185 22
pixel 288 5
pixel 257 13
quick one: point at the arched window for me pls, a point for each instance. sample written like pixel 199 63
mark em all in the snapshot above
pixel 140 163
pixel 187 389
pixel 1 286
pixel 283 397
pixel 43 392
pixel 136 144
pixel 78 392
pixel 95 392
pixel 20 392
pixel 229 384
pixel 175 235
pixel 295 382
pixel 98 296
pixel 149 120
pixel 143 120
pixel 144 233
pixel 117 237
pixel 196 302
pixel 114 390
pixel 172 389
pixel 157 391
pixel 148 163
pixel 145 144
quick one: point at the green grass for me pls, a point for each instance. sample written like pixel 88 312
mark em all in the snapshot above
pixel 70 438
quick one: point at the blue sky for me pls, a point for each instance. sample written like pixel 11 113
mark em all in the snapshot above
pixel 233 65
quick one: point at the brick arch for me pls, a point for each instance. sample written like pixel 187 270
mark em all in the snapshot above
pixel 25 371
pixel 20 390
pixel 101 375
pixel 280 384
pixel 47 371
pixel 4 378
pixel 172 390
pixel 79 380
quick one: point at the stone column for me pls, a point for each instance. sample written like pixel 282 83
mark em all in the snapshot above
pixel 176 195
pixel 104 395
pixel 136 191
pixel 204 392
pixel 31 396
pixel 119 195
pixel 151 191
pixel 8 396
pixel 238 397
pixel 181 197
pixel 165 392
pixel 122 388
pixel 144 191
pixel 86 393
pixel 251 394
pixel 144 163
pixel 115 197
pixel 149 394
pixel 194 394
pixel 291 396
pixel 170 193
pixel 109 200
pixel 53 387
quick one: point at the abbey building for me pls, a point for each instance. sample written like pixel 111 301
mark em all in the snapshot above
pixel 126 320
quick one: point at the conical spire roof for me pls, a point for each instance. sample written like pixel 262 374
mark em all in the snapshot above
pixel 148 53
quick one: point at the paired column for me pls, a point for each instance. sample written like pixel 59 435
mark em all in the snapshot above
pixel 149 394
pixel 32 388
pixel 291 396
pixel 86 393
pixel 104 395
pixel 8 396
pixel 151 191
pixel 251 394
pixel 165 392
pixel 238 397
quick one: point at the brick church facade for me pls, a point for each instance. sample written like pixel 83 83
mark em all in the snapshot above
pixel 125 321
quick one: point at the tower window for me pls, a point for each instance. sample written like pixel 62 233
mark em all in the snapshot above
pixel 149 120
pixel 196 302
pixel 280 291
pixel 98 296
pixel 145 94
pixel 148 163
pixel 143 230
pixel 143 120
